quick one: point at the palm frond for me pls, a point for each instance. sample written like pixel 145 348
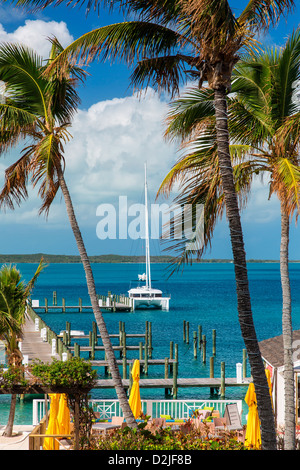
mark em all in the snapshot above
pixel 286 184
pixel 189 113
pixel 260 14
pixel 126 41
pixel 20 71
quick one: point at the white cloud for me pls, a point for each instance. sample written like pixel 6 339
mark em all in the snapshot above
pixel 105 158
pixel 34 34
pixel 111 141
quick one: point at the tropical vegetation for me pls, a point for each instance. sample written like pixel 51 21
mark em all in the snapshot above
pixel 41 108
pixel 263 99
pixel 14 293
pixel 200 39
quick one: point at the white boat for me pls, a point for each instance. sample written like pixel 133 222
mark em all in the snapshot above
pixel 145 295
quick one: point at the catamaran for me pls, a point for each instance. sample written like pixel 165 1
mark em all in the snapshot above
pixel 145 295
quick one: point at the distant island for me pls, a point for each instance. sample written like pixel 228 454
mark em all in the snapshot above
pixel 35 258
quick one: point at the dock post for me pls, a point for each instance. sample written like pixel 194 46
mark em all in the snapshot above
pixel 146 355
pixel 222 391
pixel 63 305
pixel 184 331
pixel 199 337
pixel 187 332
pixel 93 345
pixel 166 367
pixel 124 367
pixel 211 372
pixel 171 355
pixel 204 349
pixel 54 298
pixel 46 305
pixel 195 344
pixel 214 342
pixel 65 337
pixel 175 374
pixel 123 352
pixel 120 333
pixel 141 350
pixel 80 304
pixel 76 350
pixel 150 339
pixel 68 329
pixel 95 333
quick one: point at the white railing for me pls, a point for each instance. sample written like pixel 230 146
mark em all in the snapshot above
pixel 177 409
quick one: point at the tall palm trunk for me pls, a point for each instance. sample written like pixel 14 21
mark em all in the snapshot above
pixel 264 404
pixel 287 334
pixel 8 432
pixel 121 394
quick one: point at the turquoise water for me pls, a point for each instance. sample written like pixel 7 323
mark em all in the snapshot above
pixel 204 294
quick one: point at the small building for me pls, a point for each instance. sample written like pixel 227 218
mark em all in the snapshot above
pixel 273 356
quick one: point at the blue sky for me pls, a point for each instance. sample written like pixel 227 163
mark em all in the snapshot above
pixel 114 133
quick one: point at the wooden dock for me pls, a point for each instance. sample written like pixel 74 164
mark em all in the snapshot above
pixel 33 346
pixel 181 383
pixel 37 348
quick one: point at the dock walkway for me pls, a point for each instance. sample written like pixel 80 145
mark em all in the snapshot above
pixel 33 345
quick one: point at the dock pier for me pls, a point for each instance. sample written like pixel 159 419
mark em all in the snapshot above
pixel 64 347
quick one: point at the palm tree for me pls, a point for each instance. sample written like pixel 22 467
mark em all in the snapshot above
pixel 172 40
pixel 264 118
pixel 14 294
pixel 275 75
pixel 41 108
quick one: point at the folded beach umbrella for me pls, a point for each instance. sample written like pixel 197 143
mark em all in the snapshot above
pixel 53 428
pixel 268 374
pixel 253 437
pixel 63 416
pixel 135 398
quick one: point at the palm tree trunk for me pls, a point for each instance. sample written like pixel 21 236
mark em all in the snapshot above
pixel 121 394
pixel 10 423
pixel 287 334
pixel 264 404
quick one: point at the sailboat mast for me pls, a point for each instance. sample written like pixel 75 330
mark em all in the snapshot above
pixel 148 273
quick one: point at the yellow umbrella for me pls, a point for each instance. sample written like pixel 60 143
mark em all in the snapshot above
pixel 53 427
pixel 135 398
pixel 268 374
pixel 253 437
pixel 63 416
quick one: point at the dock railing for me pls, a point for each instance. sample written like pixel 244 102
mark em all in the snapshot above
pixel 177 409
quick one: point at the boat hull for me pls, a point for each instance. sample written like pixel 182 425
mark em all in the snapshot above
pixel 161 303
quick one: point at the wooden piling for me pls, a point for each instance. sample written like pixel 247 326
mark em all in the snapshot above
pixel 124 367
pixel 64 305
pixel 214 342
pixel 68 330
pixel 199 336
pixel 187 332
pixel 211 371
pixel 184 331
pixel 166 367
pixel 204 349
pixel 54 298
pixel 222 390
pixel 150 340
pixel 195 344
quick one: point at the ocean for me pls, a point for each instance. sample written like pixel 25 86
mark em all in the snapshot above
pixel 202 294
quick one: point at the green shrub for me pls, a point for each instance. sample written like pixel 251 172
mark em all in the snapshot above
pixel 163 439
